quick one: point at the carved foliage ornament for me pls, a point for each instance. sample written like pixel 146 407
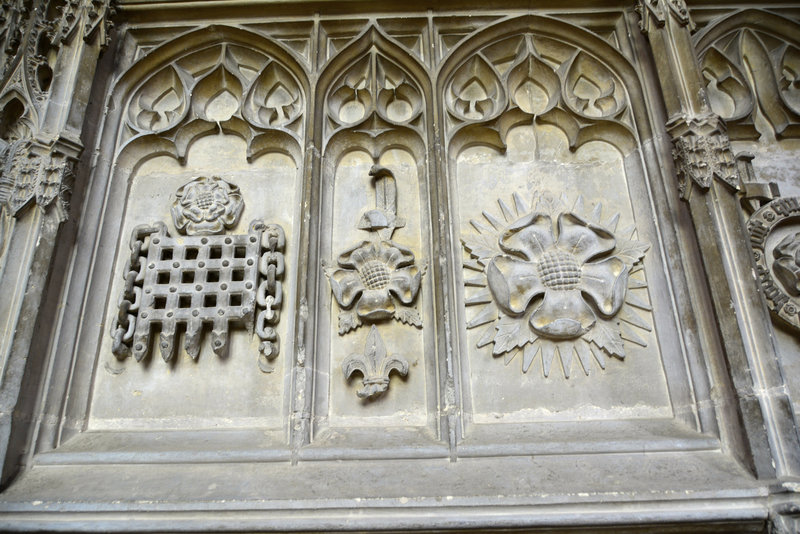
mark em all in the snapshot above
pixel 751 72
pixel 28 176
pixel 556 281
pixel 377 280
pixel 701 157
pixel 655 12
pixel 778 264
pixel 37 29
pixel 201 279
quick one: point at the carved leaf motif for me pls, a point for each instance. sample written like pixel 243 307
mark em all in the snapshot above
pixel 511 334
pixel 481 245
pixel 726 86
pixel 590 89
pixel 275 98
pixel 348 320
pixel 160 103
pixel 408 316
pixel 475 91
pixel 607 339
pixel 631 252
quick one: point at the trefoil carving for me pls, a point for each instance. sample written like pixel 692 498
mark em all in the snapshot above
pixel 243 92
pixel 775 241
pixel 201 279
pixel 545 82
pixel 557 281
pixel 375 365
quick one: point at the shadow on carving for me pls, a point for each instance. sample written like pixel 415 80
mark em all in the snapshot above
pixel 555 280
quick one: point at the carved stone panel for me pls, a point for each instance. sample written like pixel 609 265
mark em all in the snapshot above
pixel 232 386
pixel 556 297
pixel 442 248
pixel 378 292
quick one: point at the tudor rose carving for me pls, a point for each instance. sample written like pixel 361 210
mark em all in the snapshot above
pixel 206 206
pixel 555 281
pixel 376 280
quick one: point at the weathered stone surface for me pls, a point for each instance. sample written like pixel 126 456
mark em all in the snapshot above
pixel 406 268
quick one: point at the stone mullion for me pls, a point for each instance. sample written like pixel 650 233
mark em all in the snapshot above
pixel 53 150
pixel 444 268
pixel 708 180
pixel 301 393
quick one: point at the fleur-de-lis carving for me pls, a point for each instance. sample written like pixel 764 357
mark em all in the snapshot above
pixel 375 365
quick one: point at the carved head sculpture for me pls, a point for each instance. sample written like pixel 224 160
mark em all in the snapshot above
pixel 206 206
pixel 787 263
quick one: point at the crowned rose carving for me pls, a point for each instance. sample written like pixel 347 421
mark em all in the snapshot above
pixel 206 206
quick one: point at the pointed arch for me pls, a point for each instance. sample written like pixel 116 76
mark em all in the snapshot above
pixel 754 19
pixel 199 39
pixel 169 110
pixel 370 46
pixel 588 47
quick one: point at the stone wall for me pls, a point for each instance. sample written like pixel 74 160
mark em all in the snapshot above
pixel 345 266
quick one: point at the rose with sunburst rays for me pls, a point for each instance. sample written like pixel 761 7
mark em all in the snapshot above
pixel 557 281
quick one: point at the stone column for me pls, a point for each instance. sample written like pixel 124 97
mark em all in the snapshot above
pixel 51 54
pixel 708 181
